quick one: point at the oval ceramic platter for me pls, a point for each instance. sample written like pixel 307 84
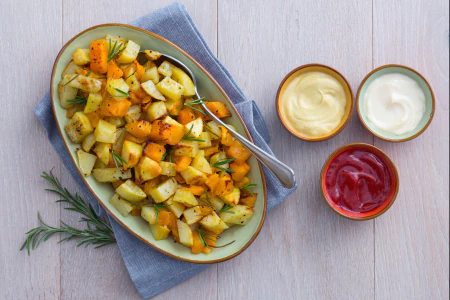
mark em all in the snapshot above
pixel 207 87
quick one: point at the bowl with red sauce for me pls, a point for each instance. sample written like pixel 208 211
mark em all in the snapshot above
pixel 359 181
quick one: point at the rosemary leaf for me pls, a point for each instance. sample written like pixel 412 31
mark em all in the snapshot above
pixel 247 187
pixel 186 136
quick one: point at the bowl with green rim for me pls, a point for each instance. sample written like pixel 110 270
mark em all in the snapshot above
pixel 423 84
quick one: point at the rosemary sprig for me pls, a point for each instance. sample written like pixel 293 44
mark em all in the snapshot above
pixel 114 50
pixel 130 75
pixel 122 92
pixel 208 128
pixel 118 160
pixel 223 162
pixel 186 136
pixel 226 209
pixel 191 104
pixel 88 73
pixel 78 100
pixel 167 153
pixel 71 79
pixel 98 231
pixel 247 187
pixel 158 207
pixel 204 236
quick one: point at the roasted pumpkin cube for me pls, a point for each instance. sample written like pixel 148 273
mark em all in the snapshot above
pixel 193 176
pixel 156 110
pixel 121 205
pixel 163 191
pixel 112 107
pixel 186 115
pixel 219 109
pixel 131 191
pixel 241 183
pixel 105 132
pixel 182 162
pixel 236 150
pixel 248 199
pixel 78 127
pixel 149 185
pixel 170 88
pixel 147 169
pixel 113 71
pixel 238 215
pixel 226 138
pixel 240 170
pixel 224 186
pixel 213 223
pixel 165 132
pixel 99 56
pixel 139 128
pixel 131 153
pixel 154 151
pixel 212 182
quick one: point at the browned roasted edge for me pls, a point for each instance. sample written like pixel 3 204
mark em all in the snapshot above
pixel 433 104
pixel 354 145
pixel 229 102
pixel 303 138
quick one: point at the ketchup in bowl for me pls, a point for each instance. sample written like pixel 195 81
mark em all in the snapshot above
pixel 359 181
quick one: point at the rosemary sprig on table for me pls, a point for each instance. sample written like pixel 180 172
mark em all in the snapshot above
pixel 191 104
pixel 114 50
pixel 118 160
pixel 204 236
pixel 122 92
pixel 223 162
pixel 247 187
pixel 186 136
pixel 98 231
pixel 226 208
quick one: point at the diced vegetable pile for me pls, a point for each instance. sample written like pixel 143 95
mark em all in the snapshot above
pixel 141 130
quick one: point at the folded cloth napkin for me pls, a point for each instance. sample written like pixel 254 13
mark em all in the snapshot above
pixel 151 271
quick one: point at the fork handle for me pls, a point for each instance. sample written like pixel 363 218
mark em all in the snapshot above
pixel 284 174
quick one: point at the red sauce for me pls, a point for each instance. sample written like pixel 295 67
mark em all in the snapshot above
pixel 358 181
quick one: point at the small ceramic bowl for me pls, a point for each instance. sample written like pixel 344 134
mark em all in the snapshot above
pixel 316 68
pixel 395 183
pixel 424 85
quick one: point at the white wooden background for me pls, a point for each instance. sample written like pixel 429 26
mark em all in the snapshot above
pixel 304 251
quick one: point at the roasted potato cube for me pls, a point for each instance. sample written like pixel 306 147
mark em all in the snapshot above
pixel 195 127
pixel 182 78
pixel 175 207
pixel 147 169
pixel 233 197
pixel 185 234
pixel 174 106
pixel 193 176
pixel 88 142
pixel 159 232
pixel 105 132
pixel 103 152
pixel 131 153
pixel 86 84
pixel 149 214
pixel 116 121
pixel 81 56
pixel 201 164
pixel 224 186
pixel 93 102
pixel 213 200
pixel 86 162
pixel 130 191
pixel 206 137
pixel 152 55
pixel 110 174
pixel 120 139
pixel 168 168
pixel 66 93
pixel 185 196
pixel 170 88
pixel 133 83
pixel 71 68
pixel 239 215
pixel 150 88
pixel 129 54
pixel 133 113
pixel 212 222
pixel 156 110
pixel 186 148
pixel 214 130
pixel 150 73
pixel 165 69
pixel 164 190
pixel 121 205
pixel 218 157
pixel 78 127
pixel 241 183
pixel 196 213
pixel 117 88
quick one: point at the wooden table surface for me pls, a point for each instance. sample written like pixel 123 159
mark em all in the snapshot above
pixel 305 251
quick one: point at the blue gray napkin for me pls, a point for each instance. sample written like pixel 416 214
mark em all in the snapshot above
pixel 151 271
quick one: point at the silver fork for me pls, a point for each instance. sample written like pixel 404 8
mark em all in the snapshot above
pixel 285 174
